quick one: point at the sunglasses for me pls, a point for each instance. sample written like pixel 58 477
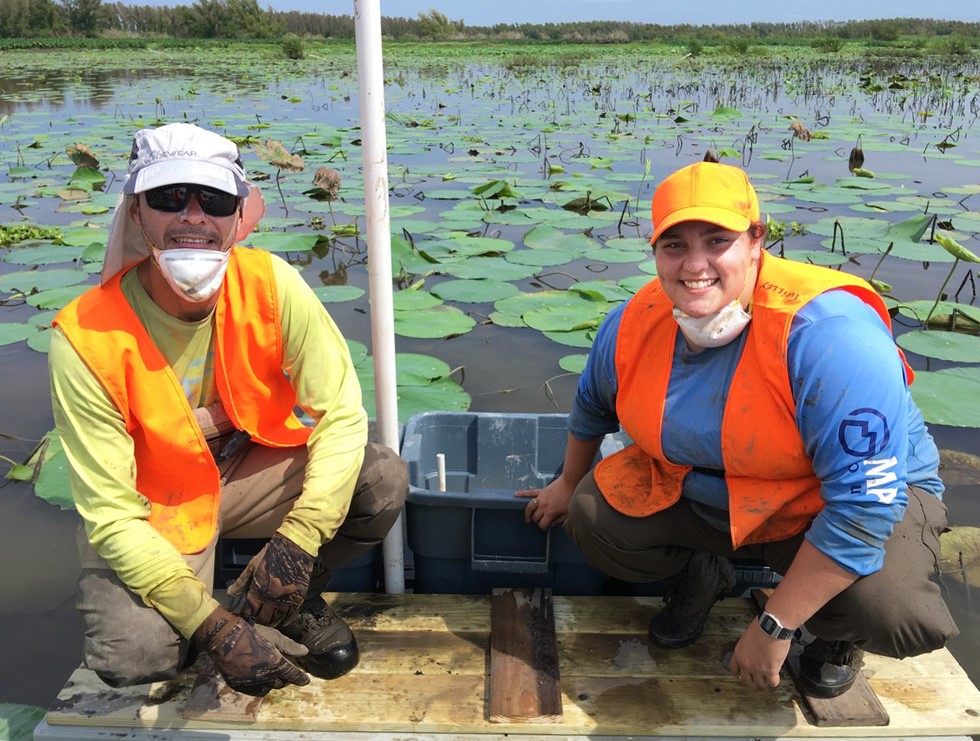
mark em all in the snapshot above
pixel 173 198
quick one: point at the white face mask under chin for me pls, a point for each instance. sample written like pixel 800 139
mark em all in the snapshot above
pixel 194 274
pixel 715 329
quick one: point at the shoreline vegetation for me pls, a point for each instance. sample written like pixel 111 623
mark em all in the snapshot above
pixel 95 24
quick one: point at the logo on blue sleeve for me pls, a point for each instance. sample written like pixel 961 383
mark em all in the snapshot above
pixel 863 433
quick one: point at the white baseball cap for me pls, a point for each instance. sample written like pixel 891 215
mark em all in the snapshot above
pixel 184 153
pixel 168 155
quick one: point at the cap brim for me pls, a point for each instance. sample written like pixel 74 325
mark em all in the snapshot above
pixel 718 216
pixel 185 171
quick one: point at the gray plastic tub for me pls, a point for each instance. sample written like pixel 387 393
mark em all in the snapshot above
pixel 472 537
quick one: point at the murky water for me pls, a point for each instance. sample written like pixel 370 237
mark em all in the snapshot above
pixel 456 125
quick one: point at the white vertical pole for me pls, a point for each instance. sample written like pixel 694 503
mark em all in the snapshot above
pixel 374 158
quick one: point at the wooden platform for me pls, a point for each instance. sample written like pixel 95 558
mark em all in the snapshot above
pixel 423 671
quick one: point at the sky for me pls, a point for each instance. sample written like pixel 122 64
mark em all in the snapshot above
pixel 701 12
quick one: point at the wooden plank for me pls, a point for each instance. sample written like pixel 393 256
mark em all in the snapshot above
pixel 211 699
pixel 858 706
pixel 422 652
pixel 523 658
pixel 421 673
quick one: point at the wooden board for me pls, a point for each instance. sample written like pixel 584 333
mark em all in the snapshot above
pixel 423 671
pixel 523 677
pixel 859 706
pixel 211 699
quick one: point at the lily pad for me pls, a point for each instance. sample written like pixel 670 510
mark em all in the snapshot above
pixel 412 300
pixel 474 291
pixel 960 550
pixel 52 465
pixel 952 346
pixel 29 280
pixel 440 396
pixel 338 294
pixel 55 298
pixel 437 321
pixel 947 398
pixel 283 241
pixel 11 332
pixel 573 363
pixel 17 722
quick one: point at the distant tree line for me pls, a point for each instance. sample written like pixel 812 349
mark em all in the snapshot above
pixel 244 19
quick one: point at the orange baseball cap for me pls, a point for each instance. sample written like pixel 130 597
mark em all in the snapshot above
pixel 705 191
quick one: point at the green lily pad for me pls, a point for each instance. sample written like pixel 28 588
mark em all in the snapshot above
pixel 956 249
pixel 952 346
pixel 947 398
pixel 283 241
pixel 919 310
pixel 564 318
pixel 815 257
pixel 51 463
pixel 573 363
pixel 40 341
pixel 29 280
pixel 601 289
pixel 502 319
pixel 578 338
pixel 437 321
pixel 56 298
pixel 491 268
pixel 540 257
pixel 11 332
pixel 443 395
pixel 416 369
pixel 358 351
pixel 551 238
pixel 634 283
pixel 17 722
pixel 412 300
pixel 960 551
pixel 474 291
pixel 338 294
pixel 42 254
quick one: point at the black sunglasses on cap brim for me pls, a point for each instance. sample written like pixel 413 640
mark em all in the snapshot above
pixel 174 198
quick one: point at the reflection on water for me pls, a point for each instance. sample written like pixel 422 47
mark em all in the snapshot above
pixel 452 125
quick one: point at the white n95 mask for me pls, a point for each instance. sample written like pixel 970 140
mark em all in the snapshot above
pixel 195 274
pixel 715 329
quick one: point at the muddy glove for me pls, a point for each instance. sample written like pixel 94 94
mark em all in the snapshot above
pixel 274 582
pixel 247 661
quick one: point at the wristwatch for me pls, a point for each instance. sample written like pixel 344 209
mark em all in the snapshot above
pixel 774 629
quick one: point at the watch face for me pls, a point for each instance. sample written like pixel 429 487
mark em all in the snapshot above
pixel 772 628
pixel 768 625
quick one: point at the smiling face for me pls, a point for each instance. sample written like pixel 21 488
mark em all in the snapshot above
pixel 189 228
pixel 703 267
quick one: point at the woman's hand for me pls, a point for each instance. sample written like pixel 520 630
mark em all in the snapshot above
pixel 758 658
pixel 548 506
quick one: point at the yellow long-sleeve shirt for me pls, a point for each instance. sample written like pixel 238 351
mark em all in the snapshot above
pixel 102 468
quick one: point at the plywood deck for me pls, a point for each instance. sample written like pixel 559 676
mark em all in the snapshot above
pixel 424 664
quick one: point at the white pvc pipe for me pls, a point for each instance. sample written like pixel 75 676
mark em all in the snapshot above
pixel 441 470
pixel 374 158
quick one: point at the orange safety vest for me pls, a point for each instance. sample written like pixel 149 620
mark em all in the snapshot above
pixel 773 492
pixel 174 469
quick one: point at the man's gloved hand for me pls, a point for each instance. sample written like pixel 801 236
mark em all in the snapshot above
pixel 247 661
pixel 274 582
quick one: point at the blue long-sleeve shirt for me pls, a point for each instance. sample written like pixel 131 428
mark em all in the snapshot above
pixel 859 425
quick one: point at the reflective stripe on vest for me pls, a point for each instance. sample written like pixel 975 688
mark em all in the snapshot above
pixel 174 469
pixel 773 492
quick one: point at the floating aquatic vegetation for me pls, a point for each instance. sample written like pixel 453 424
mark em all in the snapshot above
pixel 508 184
